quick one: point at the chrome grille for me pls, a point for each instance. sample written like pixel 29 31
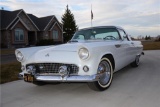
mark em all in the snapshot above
pixel 54 67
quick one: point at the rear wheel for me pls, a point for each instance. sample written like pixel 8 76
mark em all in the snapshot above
pixel 136 62
pixel 106 73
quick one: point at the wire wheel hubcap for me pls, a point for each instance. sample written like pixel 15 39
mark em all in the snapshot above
pixel 105 72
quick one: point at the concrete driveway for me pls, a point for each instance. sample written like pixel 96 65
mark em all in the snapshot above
pixel 131 87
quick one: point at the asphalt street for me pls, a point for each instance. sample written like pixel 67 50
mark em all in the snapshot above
pixel 131 87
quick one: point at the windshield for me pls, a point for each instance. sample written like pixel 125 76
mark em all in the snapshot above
pixel 97 34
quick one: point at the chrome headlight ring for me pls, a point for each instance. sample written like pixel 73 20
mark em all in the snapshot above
pixel 83 53
pixel 19 56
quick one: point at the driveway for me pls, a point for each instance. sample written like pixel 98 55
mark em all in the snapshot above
pixel 131 87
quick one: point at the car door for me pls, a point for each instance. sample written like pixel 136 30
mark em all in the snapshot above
pixel 119 49
pixel 129 45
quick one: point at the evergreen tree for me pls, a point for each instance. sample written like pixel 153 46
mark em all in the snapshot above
pixel 69 25
pixel 149 38
pixel 146 38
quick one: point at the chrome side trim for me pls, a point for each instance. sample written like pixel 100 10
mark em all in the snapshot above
pixel 73 78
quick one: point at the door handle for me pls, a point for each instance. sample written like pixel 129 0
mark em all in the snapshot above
pixel 132 43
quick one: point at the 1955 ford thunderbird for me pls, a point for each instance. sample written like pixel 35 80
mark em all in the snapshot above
pixel 91 56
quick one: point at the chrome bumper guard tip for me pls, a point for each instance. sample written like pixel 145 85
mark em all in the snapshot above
pixel 20 76
pixel 71 78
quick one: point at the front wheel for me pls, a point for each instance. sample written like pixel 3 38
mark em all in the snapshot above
pixel 39 83
pixel 106 73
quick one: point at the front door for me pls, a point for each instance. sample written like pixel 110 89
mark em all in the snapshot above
pixel 31 38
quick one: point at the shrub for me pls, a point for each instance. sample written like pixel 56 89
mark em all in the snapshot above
pixel 3 45
pixel 45 42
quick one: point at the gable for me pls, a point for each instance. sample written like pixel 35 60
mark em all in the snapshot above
pixel 27 21
pixel 53 25
pixel 42 22
pixel 17 22
pixel 8 17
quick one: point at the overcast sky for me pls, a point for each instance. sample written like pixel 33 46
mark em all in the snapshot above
pixel 138 17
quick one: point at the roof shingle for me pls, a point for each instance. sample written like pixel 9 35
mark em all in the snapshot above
pixel 42 22
pixel 7 17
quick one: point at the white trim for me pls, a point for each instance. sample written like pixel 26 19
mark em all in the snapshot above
pixel 13 20
pixel 14 24
pixel 24 24
pixel 59 23
pixel 30 20
pixel 48 23
pixel 20 20
pixel 54 25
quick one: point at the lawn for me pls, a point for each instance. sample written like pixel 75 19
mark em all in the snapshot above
pixel 7 51
pixel 151 45
pixel 9 72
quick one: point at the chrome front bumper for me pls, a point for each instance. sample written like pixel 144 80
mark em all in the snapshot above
pixel 68 78
pixel 71 78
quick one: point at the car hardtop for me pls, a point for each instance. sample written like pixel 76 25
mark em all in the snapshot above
pixel 116 27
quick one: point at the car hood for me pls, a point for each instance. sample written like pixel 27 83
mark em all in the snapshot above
pixel 59 52
pixel 75 46
pixel 63 47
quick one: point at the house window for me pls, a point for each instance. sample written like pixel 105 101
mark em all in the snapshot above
pixel 55 34
pixel 19 35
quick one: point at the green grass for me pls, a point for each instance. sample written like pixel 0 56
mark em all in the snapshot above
pixel 151 45
pixel 7 51
pixel 9 72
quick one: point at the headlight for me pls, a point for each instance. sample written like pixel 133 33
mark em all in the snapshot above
pixel 83 53
pixel 19 56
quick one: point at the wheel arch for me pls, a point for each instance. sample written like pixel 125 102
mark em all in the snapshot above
pixel 111 58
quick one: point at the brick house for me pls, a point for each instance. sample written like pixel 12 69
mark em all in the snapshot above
pixel 19 29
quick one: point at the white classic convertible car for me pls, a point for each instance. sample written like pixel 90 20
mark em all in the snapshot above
pixel 91 56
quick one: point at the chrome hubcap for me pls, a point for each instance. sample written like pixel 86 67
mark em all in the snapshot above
pixel 105 72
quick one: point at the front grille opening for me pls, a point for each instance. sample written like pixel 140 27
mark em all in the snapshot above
pixel 53 68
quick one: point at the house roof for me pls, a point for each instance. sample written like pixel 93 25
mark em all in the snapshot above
pixel 7 17
pixel 41 22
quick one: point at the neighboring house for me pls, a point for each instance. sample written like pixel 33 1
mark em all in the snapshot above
pixel 19 29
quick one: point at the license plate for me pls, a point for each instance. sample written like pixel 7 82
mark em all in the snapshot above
pixel 28 77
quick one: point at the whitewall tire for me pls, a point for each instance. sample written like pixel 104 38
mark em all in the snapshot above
pixel 105 70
